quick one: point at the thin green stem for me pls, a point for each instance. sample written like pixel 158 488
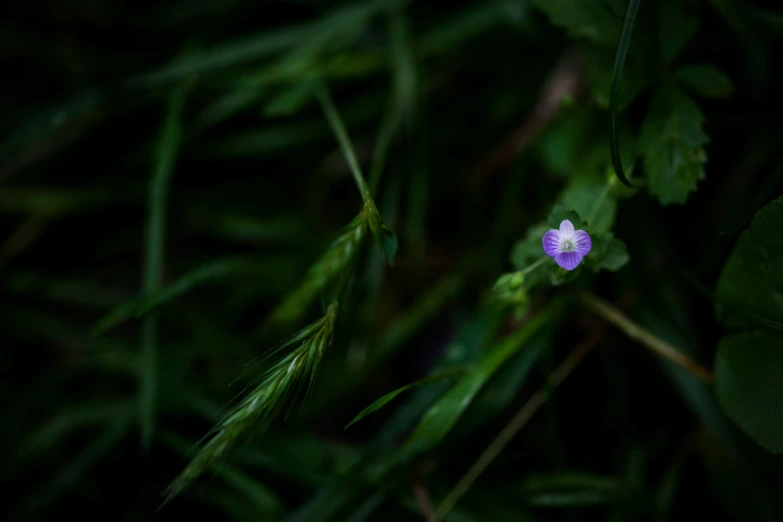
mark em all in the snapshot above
pixel 391 123
pixel 599 202
pixel 160 180
pixel 745 312
pixel 336 123
pixel 615 316
pixel 614 89
pixel 535 265
pixel 519 420
pixel 401 101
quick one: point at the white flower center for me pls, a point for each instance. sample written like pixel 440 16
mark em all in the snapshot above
pixel 568 246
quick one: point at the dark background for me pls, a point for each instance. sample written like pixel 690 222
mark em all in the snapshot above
pixel 82 100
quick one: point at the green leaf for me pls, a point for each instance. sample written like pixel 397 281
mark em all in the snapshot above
pixel 738 487
pixel 762 195
pixel 672 141
pixel 706 80
pixel 592 198
pixel 560 212
pixel 582 18
pixel 383 401
pixel 747 366
pixel 289 101
pixel 527 252
pixel 608 253
pixel 566 143
pixel 675 29
pixel 528 249
pixel 504 388
pixel 442 416
pixel 752 279
pixel 470 337
pixel 614 89
pixel 749 387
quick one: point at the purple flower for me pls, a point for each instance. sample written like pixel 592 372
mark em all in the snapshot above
pixel 567 246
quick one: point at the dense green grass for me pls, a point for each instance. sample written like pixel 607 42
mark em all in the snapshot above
pixel 282 260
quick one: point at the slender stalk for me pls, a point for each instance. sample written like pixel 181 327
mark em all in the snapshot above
pixel 535 265
pixel 21 238
pixel 385 238
pixel 389 126
pixel 615 316
pixel 333 117
pixel 599 202
pixel 402 99
pixel 168 146
pixel 614 89
pixel 522 416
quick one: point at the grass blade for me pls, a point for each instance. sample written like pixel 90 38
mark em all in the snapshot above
pixel 346 147
pixel 378 457
pixel 262 498
pixel 153 263
pixel 404 83
pixel 383 401
pixel 513 427
pixel 69 421
pixel 444 414
pixel 197 277
pixel 614 92
pixel 383 236
pixel 260 46
pixel 75 469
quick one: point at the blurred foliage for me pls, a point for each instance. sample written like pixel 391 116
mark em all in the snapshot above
pixel 187 195
pixel 746 364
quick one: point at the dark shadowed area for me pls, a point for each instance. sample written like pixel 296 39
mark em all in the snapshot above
pixel 332 261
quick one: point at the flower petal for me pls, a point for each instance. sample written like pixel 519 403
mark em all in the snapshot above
pixel 566 229
pixel 568 260
pixel 551 242
pixel 582 242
